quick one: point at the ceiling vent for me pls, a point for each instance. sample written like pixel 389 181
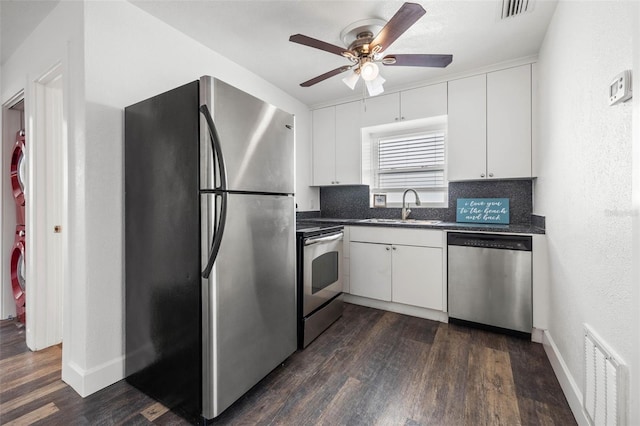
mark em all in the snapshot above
pixel 511 8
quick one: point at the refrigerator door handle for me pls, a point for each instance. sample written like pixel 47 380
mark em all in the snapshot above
pixel 217 236
pixel 215 147
pixel 219 191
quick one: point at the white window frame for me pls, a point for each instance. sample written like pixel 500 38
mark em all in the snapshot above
pixel 370 143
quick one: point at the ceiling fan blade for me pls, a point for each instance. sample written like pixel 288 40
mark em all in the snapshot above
pixel 408 60
pixel 318 44
pixel 325 76
pixel 404 18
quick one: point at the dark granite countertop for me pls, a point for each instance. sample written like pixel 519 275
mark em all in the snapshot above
pixel 443 226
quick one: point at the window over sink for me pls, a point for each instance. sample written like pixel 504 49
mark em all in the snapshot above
pixel 405 155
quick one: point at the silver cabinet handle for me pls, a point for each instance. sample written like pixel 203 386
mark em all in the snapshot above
pixel 387 248
pixel 321 239
pixel 481 174
pixel 490 174
pixel 393 248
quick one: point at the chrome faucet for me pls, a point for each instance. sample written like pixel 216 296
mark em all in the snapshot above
pixel 406 211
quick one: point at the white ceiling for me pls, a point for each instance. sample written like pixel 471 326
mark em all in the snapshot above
pixel 255 35
pixel 18 19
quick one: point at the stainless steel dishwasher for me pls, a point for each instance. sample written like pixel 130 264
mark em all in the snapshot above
pixel 489 280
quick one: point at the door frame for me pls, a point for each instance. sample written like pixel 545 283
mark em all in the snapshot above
pixel 47 280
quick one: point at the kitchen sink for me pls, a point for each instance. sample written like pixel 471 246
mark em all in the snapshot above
pixel 402 222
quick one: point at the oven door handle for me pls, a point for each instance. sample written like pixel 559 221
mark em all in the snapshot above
pixel 335 237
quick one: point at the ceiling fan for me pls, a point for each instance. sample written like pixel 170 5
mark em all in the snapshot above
pixel 365 50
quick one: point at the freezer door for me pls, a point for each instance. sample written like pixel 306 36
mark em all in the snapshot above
pixel 256 141
pixel 249 316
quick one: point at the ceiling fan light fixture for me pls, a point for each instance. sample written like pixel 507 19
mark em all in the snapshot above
pixel 351 80
pixel 369 71
pixel 374 87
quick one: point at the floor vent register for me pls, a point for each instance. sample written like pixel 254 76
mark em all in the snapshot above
pixel 605 390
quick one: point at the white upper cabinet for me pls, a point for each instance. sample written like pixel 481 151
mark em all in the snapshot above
pixel 348 143
pixel 324 146
pixel 381 109
pixel 490 125
pixel 336 144
pixel 509 123
pixel 423 102
pixel 467 128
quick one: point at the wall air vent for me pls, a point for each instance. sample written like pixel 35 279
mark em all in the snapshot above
pixel 511 8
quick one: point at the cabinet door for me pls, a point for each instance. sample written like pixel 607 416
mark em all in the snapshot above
pixel 467 128
pixel 509 123
pixel 370 271
pixel 381 110
pixel 417 276
pixel 324 146
pixel 347 150
pixel 423 102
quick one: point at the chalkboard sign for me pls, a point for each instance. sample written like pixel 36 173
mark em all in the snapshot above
pixel 483 210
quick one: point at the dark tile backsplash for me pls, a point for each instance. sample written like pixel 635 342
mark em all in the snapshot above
pixel 345 202
pixel 538 221
pixel 352 202
pixel 308 215
pixel 519 193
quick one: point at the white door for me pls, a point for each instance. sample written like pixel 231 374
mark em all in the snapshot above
pixel 45 211
pixel 509 123
pixel 347 151
pixel 370 270
pixel 467 128
pixel 424 102
pixel 417 276
pixel 324 146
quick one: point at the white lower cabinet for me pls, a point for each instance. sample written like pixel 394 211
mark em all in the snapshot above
pixel 385 267
pixel 416 276
pixel 370 271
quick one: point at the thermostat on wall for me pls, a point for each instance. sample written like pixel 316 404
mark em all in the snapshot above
pixel 620 88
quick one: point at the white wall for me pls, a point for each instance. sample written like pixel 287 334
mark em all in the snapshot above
pixel 134 55
pixel 584 185
pixel 635 186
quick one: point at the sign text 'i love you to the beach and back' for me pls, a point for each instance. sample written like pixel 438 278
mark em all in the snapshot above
pixel 483 210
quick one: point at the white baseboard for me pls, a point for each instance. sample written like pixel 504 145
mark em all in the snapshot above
pixel 86 382
pixel 537 335
pixel 567 382
pixel 399 308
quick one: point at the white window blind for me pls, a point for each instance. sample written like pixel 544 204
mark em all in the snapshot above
pixel 416 161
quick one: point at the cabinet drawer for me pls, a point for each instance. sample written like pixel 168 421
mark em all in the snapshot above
pixel 410 237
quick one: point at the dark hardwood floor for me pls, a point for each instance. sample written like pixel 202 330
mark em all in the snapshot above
pixel 371 367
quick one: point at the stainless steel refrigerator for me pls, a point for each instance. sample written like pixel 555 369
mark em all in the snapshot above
pixel 209 245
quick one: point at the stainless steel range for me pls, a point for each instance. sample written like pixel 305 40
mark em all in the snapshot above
pixel 319 278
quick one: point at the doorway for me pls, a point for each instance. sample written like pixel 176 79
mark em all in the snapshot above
pixel 45 208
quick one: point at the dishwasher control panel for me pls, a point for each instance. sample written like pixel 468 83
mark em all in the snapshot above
pixel 494 241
